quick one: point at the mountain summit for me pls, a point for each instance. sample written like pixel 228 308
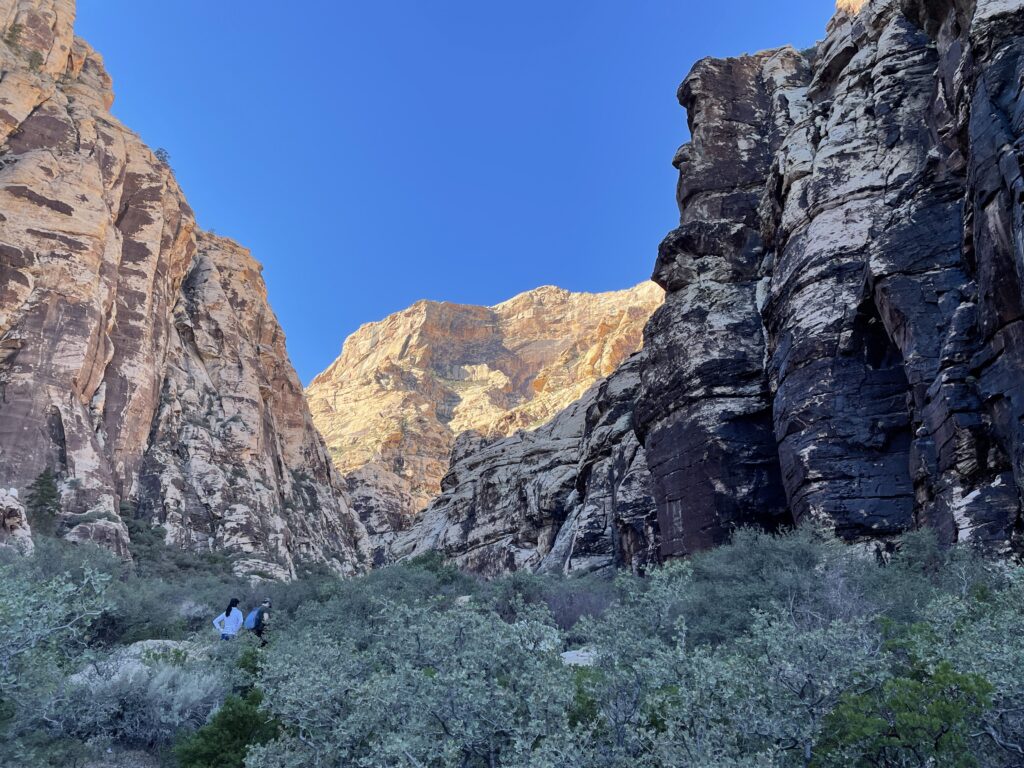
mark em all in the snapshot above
pixel 403 388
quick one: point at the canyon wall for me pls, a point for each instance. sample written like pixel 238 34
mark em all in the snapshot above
pixel 572 496
pixel 392 405
pixel 841 337
pixel 139 359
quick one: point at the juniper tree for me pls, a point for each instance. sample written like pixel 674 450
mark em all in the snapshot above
pixel 43 502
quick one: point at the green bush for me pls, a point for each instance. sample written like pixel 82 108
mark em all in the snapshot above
pixel 773 651
pixel 43 503
pixel 44 629
pixel 924 719
pixel 757 569
pixel 13 35
pixel 225 740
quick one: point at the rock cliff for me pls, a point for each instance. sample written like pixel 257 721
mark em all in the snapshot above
pixel 572 496
pixel 390 407
pixel 842 332
pixel 139 358
pixel 842 336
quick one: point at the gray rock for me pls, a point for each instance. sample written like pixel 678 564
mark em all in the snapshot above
pixel 14 527
pixel 845 289
pixel 571 496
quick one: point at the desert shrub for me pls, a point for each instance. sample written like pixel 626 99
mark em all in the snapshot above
pixel 44 630
pixel 573 599
pixel 154 558
pixel 771 651
pixel 438 686
pixel 55 557
pixel 639 644
pixel 923 718
pixel 13 35
pixel 982 634
pixel 142 698
pixel 921 570
pixel 753 571
pixel 225 741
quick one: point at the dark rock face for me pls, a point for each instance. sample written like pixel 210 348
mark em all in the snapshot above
pixel 572 496
pixel 704 412
pixel 843 319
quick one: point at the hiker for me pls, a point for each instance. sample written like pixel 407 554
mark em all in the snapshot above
pixel 229 622
pixel 258 619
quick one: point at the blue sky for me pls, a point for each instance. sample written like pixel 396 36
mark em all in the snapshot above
pixel 375 153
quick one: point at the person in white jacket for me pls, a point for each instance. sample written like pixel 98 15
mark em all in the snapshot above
pixel 229 622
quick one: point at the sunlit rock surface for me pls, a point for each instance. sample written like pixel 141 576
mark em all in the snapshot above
pixel 391 406
pixel 139 359
pixel 571 497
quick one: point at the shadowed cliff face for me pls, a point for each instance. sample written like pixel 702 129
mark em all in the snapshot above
pixel 572 496
pixel 138 358
pixel 391 407
pixel 704 410
pixel 841 336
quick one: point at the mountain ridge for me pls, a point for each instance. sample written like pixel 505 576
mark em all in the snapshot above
pixel 404 387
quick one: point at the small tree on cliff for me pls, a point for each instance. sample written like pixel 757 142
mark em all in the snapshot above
pixel 43 502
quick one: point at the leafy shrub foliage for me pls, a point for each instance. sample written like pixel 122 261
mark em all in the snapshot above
pixel 226 739
pixel 773 651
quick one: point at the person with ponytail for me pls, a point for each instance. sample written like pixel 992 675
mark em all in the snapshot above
pixel 229 622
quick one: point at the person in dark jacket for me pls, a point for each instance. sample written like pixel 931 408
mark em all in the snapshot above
pixel 262 621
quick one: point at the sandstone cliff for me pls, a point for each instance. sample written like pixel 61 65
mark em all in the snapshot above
pixel 138 357
pixel 842 332
pixel 572 496
pixel 391 406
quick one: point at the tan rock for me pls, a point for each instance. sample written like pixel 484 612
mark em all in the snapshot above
pixel 850 6
pixel 572 496
pixel 139 359
pixel 391 406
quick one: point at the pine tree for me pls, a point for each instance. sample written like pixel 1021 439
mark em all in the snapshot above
pixel 43 503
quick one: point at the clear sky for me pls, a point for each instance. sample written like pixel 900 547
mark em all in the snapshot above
pixel 378 152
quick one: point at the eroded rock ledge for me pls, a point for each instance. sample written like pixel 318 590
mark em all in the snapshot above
pixel 571 497
pixel 392 405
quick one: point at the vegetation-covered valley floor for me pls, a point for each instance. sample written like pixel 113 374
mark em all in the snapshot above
pixel 790 650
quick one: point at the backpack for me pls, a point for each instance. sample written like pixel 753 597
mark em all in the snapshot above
pixel 252 618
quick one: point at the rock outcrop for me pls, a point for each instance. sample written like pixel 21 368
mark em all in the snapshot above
pixel 572 496
pixel 14 528
pixel 139 359
pixel 842 337
pixel 842 333
pixel 391 406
